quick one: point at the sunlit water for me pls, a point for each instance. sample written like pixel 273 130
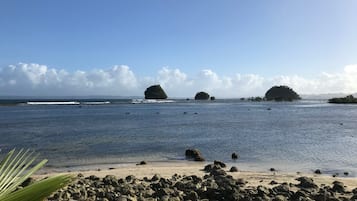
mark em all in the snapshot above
pixel 298 136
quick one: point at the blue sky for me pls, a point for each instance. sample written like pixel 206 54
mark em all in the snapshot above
pixel 267 38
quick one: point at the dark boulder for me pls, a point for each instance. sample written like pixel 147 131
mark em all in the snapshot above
pixel 194 154
pixel 317 171
pixel 218 172
pixel 306 182
pixel 155 92
pixel 281 93
pixel 210 167
pixel 233 169
pixel 110 180
pixel 142 163
pixel 220 163
pixel 235 156
pixel 192 195
pixel 281 189
pixel 263 190
pixel 338 187
pixel 156 177
pixel 300 195
pixel 241 182
pixel 202 96
pixel 354 191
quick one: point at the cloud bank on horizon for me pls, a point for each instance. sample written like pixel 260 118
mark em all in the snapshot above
pixel 40 80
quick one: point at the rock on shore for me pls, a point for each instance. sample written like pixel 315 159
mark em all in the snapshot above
pixel 194 154
pixel 216 184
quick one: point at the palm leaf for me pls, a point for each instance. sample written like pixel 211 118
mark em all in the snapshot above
pixel 39 190
pixel 14 170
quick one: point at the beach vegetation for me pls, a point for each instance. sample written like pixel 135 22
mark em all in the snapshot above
pixel 16 167
pixel 255 99
pixel 348 99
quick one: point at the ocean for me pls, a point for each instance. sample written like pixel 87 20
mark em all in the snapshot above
pixel 289 136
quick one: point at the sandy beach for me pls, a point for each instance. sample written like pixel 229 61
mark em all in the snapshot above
pixel 187 168
pixel 188 181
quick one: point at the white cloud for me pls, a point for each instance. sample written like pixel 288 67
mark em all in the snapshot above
pixel 35 79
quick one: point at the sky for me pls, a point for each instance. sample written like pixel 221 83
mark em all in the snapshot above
pixel 227 48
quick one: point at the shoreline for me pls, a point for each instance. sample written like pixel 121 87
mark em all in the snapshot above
pixel 200 181
pixel 167 169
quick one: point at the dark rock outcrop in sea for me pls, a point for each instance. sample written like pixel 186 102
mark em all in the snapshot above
pixel 142 163
pixel 194 154
pixel 155 92
pixel 215 185
pixel 202 96
pixel 281 93
pixel 317 171
pixel 234 156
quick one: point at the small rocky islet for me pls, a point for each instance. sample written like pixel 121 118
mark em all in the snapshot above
pixel 275 93
pixel 202 96
pixel 344 100
pixel 215 185
pixel 281 93
pixel 155 92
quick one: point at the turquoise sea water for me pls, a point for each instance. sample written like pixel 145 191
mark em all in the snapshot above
pixel 297 136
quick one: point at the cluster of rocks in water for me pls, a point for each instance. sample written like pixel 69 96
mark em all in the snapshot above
pixel 216 184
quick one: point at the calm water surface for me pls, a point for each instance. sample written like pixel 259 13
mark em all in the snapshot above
pixel 299 136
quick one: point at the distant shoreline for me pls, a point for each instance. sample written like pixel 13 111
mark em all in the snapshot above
pixel 114 101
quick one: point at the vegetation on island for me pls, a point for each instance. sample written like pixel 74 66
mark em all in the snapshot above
pixel 202 96
pixel 345 100
pixel 155 92
pixel 15 171
pixel 281 93
pixel 255 99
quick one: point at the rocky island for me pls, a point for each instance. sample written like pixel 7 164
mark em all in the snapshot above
pixel 155 92
pixel 281 93
pixel 345 100
pixel 202 96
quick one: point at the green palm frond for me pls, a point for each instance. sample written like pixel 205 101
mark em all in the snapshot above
pixel 39 190
pixel 14 170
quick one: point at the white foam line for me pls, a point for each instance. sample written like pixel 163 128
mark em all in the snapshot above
pixel 54 103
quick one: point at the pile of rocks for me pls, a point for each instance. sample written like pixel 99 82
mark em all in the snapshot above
pixel 216 184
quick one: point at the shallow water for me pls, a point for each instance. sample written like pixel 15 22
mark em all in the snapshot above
pixel 298 136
